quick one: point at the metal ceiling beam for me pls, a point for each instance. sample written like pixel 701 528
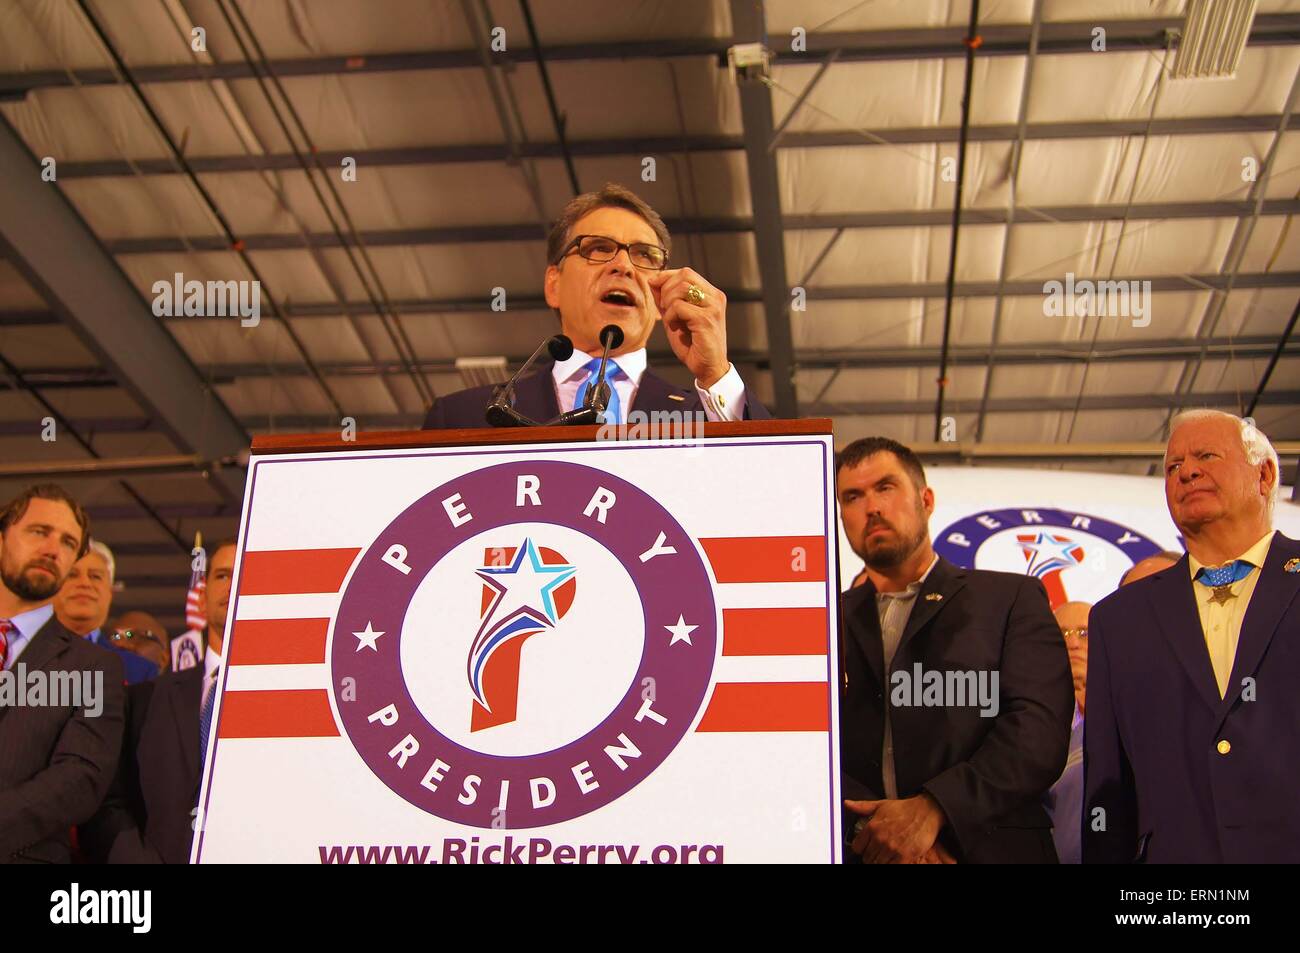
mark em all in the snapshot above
pixel 1034 288
pixel 114 512
pixel 1013 183
pixel 972 41
pixel 28 318
pixel 60 257
pixel 884 291
pixel 1277 354
pixel 1241 235
pixel 881 408
pixel 971 405
pixel 1019 354
pixel 748 26
pixel 142 549
pixel 1013 39
pixel 759 224
pixel 1269 29
pixel 1154 450
pixel 293 423
pixel 659 145
pixel 102 467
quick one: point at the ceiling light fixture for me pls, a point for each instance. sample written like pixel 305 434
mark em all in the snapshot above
pixel 1214 35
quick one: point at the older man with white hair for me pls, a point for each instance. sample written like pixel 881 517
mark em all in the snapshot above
pixel 83 603
pixel 1192 740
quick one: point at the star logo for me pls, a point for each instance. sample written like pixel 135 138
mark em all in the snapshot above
pixel 681 631
pixel 367 638
pixel 522 604
pixel 526 585
pixel 1051 550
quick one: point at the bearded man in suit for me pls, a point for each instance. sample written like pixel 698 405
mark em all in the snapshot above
pixel 58 753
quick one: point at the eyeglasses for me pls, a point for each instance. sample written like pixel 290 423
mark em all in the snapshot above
pixel 600 249
pixel 1081 632
pixel 122 635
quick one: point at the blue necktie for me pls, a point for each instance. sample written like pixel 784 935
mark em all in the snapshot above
pixel 614 411
pixel 1235 571
pixel 205 719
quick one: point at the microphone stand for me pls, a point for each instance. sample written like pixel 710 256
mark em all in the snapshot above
pixel 501 411
pixel 597 399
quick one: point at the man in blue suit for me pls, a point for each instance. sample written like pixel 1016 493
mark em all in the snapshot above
pixel 608 264
pixel 1192 740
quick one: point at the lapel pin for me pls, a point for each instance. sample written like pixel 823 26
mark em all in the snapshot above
pixel 933 596
pixel 676 397
pixel 1292 565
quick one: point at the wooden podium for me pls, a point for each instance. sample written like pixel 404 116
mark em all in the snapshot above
pixel 571 645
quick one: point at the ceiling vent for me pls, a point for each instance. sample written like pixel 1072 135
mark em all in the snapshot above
pixel 1214 35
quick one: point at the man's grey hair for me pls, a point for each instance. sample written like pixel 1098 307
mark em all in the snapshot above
pixel 1256 446
pixel 105 554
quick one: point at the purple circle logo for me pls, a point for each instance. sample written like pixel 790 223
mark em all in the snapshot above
pixel 1077 556
pixel 523 645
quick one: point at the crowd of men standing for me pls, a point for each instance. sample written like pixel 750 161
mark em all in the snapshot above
pixel 1157 725
pixel 92 775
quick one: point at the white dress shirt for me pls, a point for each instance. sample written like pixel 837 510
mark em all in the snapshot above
pixel 26 625
pixel 894 609
pixel 725 400
pixel 211 669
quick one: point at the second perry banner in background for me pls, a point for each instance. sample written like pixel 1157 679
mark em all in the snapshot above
pixel 1078 532
pixel 580 652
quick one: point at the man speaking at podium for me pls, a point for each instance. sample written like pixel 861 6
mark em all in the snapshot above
pixel 608 264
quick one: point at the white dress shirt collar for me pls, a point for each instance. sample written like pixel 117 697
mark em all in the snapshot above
pixel 633 364
pixel 26 625
pixel 31 621
pixel 211 662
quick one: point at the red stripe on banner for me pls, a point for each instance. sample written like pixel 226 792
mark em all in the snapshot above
pixel 768 706
pixel 774 631
pixel 278 641
pixel 276 572
pixel 767 558
pixel 282 713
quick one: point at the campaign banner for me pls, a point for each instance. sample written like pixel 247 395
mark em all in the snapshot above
pixel 608 652
pixel 1078 532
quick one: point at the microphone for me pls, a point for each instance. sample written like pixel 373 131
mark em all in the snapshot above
pixel 597 399
pixel 501 411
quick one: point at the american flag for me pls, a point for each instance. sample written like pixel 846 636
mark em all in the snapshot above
pixel 194 618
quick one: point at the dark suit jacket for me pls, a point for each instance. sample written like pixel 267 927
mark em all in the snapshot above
pixel 56 762
pixel 535 398
pixel 987 773
pixel 1155 722
pixel 148 816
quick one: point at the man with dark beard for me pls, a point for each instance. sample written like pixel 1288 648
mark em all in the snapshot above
pixel 58 748
pixel 956 690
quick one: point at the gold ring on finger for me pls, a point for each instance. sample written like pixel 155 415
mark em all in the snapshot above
pixel 695 296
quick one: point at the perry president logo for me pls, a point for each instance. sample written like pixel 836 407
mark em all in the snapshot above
pixel 1077 556
pixel 523 645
